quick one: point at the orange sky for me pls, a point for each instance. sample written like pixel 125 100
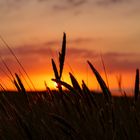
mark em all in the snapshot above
pixel 34 29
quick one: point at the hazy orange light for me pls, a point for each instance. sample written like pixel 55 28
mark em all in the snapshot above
pixel 38 80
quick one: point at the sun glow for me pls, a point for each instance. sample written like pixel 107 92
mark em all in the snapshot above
pixel 56 85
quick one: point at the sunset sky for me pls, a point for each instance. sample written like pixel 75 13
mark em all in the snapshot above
pixel 34 30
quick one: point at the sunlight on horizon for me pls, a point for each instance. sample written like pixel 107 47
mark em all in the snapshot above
pixel 33 29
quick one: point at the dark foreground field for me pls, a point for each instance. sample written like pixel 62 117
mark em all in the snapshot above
pixel 53 115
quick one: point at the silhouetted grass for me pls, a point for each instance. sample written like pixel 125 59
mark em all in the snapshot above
pixel 76 113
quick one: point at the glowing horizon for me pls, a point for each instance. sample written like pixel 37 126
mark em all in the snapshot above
pixel 33 29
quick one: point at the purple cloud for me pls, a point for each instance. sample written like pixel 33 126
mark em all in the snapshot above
pixel 39 56
pixel 68 4
pixel 8 5
pixel 110 2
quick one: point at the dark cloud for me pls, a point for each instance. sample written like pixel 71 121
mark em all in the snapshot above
pixel 69 4
pixel 47 48
pixel 76 3
pixel 72 41
pixel 28 50
pixel 39 56
pixel 115 62
pixel 42 0
pixel 122 62
pixel 83 40
pixel 12 5
pixel 110 2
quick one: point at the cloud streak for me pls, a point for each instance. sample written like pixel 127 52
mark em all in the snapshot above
pixel 39 56
pixel 68 4
pixel 110 2
pixel 47 47
pixel 55 5
pixel 8 5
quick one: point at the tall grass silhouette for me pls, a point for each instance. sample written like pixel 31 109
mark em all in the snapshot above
pixel 76 113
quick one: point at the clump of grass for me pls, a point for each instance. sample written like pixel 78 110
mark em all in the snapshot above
pixel 18 62
pixel 75 114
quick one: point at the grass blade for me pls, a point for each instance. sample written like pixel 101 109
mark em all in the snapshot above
pixel 75 83
pixel 17 86
pixel 20 84
pixel 16 58
pixel 62 55
pixel 101 82
pixel 89 94
pixel 104 70
pixel 69 87
pixel 55 69
pixel 66 85
pixel 137 82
